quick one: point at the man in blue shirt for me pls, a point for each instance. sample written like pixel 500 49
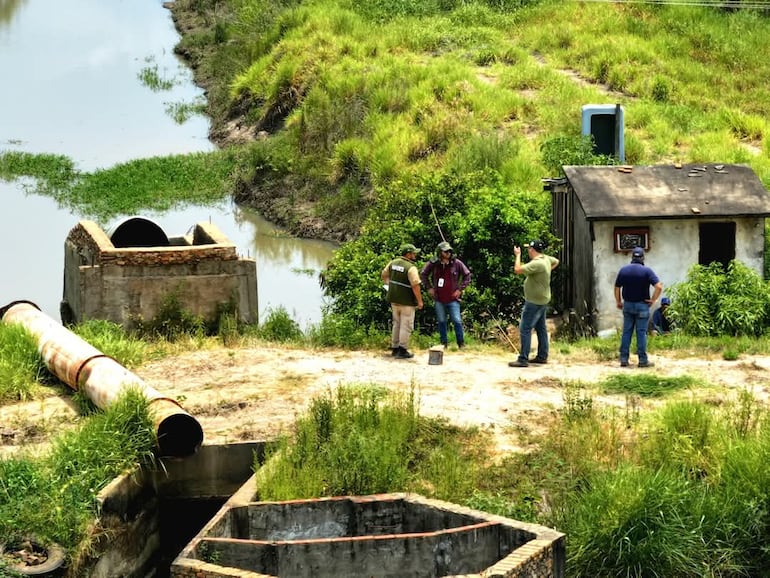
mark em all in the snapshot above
pixel 632 296
pixel 661 324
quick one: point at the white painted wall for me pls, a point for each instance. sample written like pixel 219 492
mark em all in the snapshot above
pixel 673 250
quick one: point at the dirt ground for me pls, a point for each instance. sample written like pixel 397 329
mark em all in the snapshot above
pixel 255 393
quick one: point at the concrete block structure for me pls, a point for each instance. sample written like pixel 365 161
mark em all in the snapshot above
pixel 200 517
pixel 382 536
pixel 127 275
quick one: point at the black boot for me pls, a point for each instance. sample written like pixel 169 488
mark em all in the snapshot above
pixel 403 353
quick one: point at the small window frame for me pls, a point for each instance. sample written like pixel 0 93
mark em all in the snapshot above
pixel 626 238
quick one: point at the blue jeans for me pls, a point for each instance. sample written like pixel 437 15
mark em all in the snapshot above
pixel 635 317
pixel 533 317
pixel 453 308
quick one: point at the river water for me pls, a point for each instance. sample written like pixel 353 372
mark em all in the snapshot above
pixel 69 85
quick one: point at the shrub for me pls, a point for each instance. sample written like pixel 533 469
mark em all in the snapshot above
pixel 571 150
pixel 172 321
pixel 279 326
pixel 336 330
pixel 715 301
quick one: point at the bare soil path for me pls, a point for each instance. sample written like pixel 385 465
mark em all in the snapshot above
pixel 256 392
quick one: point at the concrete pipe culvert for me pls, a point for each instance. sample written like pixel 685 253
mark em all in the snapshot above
pixel 179 435
pixel 30 556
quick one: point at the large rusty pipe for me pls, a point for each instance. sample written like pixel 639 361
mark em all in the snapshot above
pixel 102 379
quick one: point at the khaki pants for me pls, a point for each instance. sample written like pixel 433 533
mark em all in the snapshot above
pixel 403 324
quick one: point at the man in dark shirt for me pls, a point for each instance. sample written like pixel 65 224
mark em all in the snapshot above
pixel 446 277
pixel 632 296
pixel 661 324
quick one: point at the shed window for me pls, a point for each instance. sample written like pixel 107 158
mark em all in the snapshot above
pixel 626 238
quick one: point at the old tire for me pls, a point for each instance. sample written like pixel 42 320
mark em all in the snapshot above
pixel 54 559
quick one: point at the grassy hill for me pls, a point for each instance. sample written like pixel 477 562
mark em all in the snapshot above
pixel 343 99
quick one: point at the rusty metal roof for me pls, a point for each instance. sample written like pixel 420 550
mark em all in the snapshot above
pixel 668 191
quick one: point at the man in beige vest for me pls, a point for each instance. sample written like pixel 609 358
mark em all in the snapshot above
pixel 402 279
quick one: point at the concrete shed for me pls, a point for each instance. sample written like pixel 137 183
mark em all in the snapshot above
pixel 681 215
pixel 129 279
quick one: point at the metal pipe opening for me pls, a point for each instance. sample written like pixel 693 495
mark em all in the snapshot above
pixel 84 368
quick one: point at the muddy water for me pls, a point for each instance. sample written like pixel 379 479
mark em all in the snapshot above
pixel 69 84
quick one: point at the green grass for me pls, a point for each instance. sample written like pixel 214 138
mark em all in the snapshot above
pixel 20 365
pixel 359 101
pixel 280 327
pixel 646 384
pixel 663 492
pixel 375 92
pixel 53 496
pixel 112 340
pixel 151 77
pixel 361 440
pixel 360 96
pixel 676 491
pixel 22 370
pixel 155 184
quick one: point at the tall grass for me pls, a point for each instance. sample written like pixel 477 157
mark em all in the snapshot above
pixel 362 440
pixel 20 365
pixel 681 493
pixel 347 444
pixel 53 496
pixel 633 523
pixel 112 340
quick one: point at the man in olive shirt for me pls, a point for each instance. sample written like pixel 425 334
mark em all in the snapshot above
pixel 537 295
pixel 402 278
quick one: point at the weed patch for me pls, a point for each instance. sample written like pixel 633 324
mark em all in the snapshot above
pixel 646 385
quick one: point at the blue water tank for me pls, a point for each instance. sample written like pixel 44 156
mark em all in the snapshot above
pixel 605 122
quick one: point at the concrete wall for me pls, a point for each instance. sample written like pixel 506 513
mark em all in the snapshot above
pixel 124 285
pixel 127 538
pixel 674 246
pixel 452 552
pixel 390 535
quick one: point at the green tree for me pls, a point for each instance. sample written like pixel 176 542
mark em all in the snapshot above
pixel 476 213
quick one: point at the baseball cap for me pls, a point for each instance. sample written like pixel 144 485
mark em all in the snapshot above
pixel 444 246
pixel 408 248
pixel 638 253
pixel 665 301
pixel 537 245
